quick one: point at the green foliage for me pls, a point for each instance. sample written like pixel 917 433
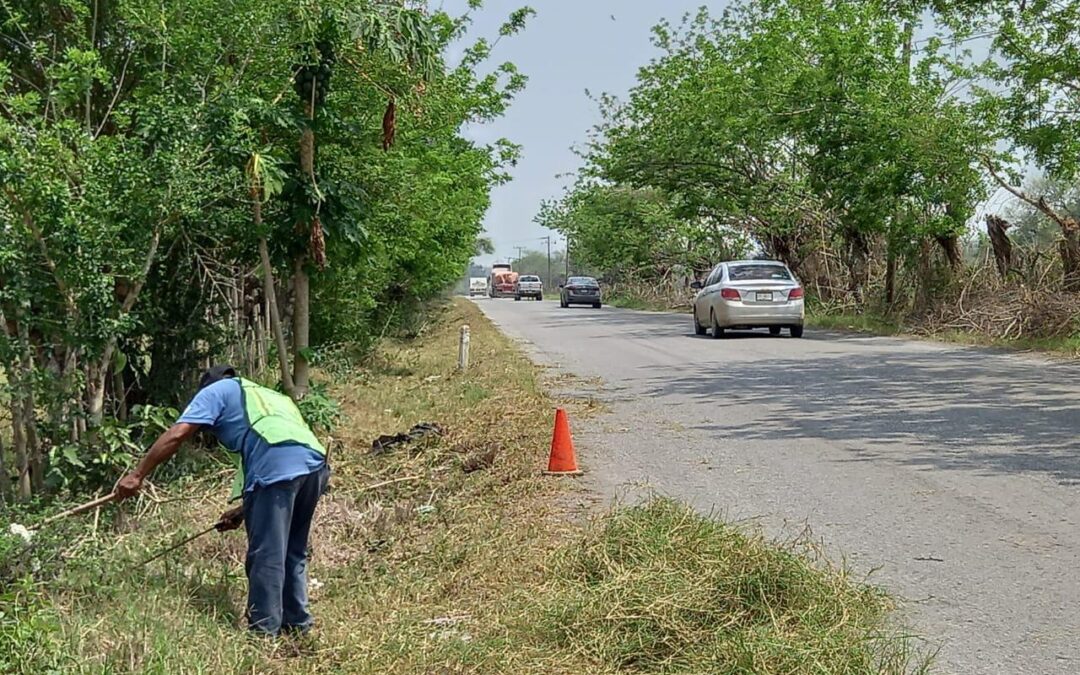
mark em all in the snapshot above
pixel 112 450
pixel 1031 80
pixel 320 410
pixel 795 125
pixel 135 143
pixel 29 630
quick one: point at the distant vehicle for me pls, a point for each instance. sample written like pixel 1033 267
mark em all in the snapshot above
pixel 478 286
pixel 529 286
pixel 502 282
pixel 749 294
pixel 580 291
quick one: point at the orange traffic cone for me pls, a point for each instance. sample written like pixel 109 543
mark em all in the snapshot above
pixel 562 462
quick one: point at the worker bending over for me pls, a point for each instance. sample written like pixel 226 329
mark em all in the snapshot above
pixel 282 473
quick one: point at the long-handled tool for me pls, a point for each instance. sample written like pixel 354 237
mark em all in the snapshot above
pixel 179 544
pixel 27 534
pixel 82 508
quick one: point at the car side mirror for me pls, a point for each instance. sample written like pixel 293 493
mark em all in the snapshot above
pixel 697 285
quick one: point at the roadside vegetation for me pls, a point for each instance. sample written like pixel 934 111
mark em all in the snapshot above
pixel 285 186
pixel 269 184
pixel 447 554
pixel 910 161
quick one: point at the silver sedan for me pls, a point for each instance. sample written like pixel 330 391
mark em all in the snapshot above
pixel 749 294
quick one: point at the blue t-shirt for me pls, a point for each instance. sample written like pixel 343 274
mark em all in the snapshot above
pixel 220 407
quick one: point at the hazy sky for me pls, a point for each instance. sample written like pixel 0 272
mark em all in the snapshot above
pixel 568 47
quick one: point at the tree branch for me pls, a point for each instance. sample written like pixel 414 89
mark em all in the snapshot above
pixel 1039 203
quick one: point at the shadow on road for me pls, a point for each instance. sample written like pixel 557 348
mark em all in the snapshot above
pixel 960 409
pixel 952 408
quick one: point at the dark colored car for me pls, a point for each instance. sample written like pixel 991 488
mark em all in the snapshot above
pixel 580 291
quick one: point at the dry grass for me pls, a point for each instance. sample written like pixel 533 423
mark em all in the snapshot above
pixel 420 566
pixel 389 560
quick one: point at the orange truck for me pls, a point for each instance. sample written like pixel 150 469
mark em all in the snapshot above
pixel 502 282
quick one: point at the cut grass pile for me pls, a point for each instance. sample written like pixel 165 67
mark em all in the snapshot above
pixel 659 588
pixel 449 555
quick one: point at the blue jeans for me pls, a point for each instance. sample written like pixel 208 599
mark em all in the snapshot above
pixel 278 520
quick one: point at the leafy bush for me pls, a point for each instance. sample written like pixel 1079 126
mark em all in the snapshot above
pixel 320 410
pixel 102 457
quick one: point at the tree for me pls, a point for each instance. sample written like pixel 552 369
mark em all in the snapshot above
pixel 1032 99
pixel 801 124
pixel 164 203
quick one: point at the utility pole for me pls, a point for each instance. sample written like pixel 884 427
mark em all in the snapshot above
pixel 566 258
pixel 519 250
pixel 548 240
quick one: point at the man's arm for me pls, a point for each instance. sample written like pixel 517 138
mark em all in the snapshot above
pixel 161 451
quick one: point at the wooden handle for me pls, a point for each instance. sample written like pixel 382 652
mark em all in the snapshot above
pixel 100 501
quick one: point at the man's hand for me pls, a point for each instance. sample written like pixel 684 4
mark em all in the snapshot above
pixel 128 486
pixel 163 448
pixel 231 519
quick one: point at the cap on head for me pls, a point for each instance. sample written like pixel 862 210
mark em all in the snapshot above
pixel 216 374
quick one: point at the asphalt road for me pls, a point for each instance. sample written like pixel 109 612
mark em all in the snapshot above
pixel 951 473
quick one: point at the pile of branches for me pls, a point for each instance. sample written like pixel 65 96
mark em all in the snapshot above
pixel 669 292
pixel 1000 310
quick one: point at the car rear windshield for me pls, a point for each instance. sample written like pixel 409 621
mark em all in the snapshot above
pixel 530 279
pixel 582 281
pixel 758 273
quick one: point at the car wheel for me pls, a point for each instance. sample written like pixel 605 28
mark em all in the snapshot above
pixel 698 328
pixel 796 331
pixel 717 331
pixel 774 330
pixel 517 298
pixel 540 298
pixel 596 305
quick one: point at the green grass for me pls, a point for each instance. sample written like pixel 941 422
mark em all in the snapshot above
pixel 659 588
pixel 638 303
pixel 859 323
pixel 450 571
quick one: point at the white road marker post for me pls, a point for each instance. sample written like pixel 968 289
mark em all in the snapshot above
pixel 463 350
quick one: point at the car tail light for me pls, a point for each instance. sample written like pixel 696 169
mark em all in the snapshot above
pixel 730 294
pixel 795 294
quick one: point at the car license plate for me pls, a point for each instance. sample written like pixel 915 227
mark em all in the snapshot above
pixel 764 296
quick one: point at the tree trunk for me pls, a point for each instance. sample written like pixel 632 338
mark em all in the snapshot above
pixel 997 228
pixel 890 278
pixel 950 245
pixel 275 320
pixel 98 372
pixel 1070 254
pixel 35 460
pixel 260 339
pixel 925 290
pixel 16 376
pixel 5 479
pixel 301 328
pixel 18 442
pixel 120 395
pixel 858 264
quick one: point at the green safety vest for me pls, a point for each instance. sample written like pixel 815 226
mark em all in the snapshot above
pixel 275 418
